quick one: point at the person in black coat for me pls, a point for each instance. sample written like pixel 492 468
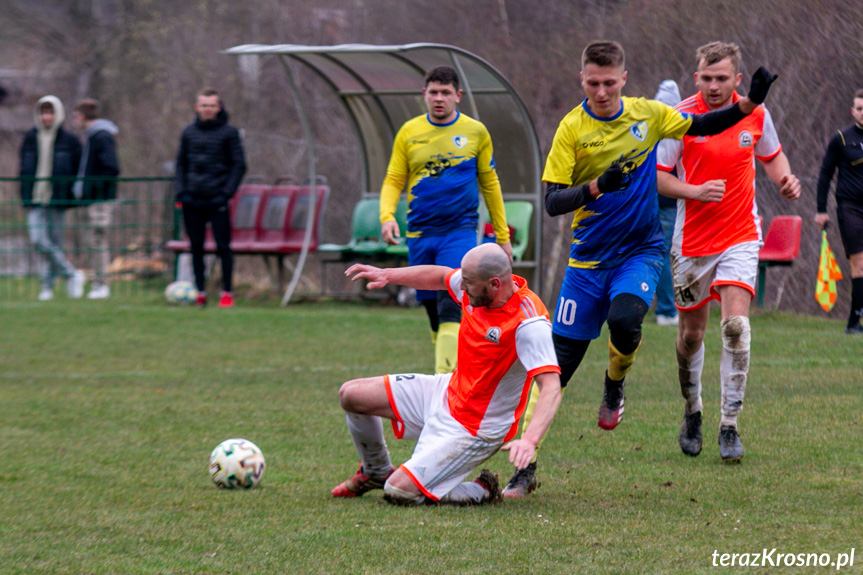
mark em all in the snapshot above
pixel 210 167
pixel 49 161
pixel 97 187
pixel 845 153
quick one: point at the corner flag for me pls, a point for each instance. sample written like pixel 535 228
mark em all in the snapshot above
pixel 828 273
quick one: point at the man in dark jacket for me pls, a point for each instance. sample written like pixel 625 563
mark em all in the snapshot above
pixel 97 189
pixel 210 167
pixel 49 161
pixel 845 153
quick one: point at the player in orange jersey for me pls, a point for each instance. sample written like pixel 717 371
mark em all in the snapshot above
pixel 460 419
pixel 717 236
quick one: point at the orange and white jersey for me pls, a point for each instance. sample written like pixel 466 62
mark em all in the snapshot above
pixel 499 351
pixel 702 228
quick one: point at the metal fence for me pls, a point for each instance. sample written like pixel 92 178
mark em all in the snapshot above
pixel 143 220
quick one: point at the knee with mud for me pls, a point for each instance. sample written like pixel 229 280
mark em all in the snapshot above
pixel 736 332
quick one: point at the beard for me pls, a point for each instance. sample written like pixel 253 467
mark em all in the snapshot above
pixel 482 299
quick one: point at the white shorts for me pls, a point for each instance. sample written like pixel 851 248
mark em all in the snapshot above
pixel 445 453
pixel 696 278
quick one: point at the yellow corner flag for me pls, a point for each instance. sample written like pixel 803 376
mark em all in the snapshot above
pixel 828 273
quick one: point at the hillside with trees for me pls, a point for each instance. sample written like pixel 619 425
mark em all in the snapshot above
pixel 146 59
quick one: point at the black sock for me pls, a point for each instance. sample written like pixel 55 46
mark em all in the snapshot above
pixel 856 302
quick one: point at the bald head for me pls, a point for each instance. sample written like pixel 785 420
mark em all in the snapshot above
pixel 487 261
pixel 487 276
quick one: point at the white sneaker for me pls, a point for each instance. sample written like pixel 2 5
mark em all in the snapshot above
pixel 75 285
pixel 666 320
pixel 99 292
pixel 46 294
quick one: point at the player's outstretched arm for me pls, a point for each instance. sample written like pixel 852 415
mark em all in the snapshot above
pixel 720 120
pixel 417 277
pixel 522 451
pixel 672 187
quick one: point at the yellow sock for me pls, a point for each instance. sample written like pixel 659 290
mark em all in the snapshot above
pixel 528 414
pixel 446 347
pixel 619 364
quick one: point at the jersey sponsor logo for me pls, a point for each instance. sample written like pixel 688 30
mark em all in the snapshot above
pixel 644 286
pixel 436 166
pixel 745 139
pixel 459 141
pixel 493 334
pixel 420 142
pixel 596 144
pixel 639 131
pixel 629 166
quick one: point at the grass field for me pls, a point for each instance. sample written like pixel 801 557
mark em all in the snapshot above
pixel 109 411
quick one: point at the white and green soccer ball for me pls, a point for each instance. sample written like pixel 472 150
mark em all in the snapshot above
pixel 181 293
pixel 237 463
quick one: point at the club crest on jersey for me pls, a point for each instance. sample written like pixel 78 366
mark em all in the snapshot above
pixel 459 141
pixel 493 334
pixel 745 139
pixel 639 131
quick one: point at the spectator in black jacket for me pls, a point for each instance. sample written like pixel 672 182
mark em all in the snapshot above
pixel 98 189
pixel 845 153
pixel 210 167
pixel 49 161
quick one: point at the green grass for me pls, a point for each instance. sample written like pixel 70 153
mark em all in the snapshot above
pixel 109 411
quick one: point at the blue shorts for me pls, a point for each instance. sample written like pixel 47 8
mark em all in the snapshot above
pixel 585 295
pixel 445 250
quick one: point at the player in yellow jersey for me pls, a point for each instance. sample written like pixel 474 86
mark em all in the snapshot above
pixel 443 159
pixel 602 167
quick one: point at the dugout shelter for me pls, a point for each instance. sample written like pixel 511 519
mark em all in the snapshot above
pixel 380 88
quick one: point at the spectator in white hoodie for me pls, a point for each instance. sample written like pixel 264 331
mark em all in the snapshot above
pixel 49 160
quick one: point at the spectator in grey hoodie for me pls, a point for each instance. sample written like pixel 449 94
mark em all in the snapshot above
pixel 98 188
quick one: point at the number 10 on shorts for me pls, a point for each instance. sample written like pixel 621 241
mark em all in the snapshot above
pixel 566 311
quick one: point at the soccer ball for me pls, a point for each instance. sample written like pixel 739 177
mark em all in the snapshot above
pixel 181 292
pixel 236 463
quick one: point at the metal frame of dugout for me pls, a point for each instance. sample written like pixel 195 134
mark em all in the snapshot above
pixel 380 87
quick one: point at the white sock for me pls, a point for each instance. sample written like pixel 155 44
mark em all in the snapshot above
pixel 466 493
pixel 689 372
pixel 403 497
pixel 367 431
pixel 733 366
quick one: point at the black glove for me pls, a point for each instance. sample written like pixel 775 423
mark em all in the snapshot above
pixel 761 80
pixel 610 180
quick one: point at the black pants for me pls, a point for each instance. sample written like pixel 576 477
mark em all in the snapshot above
pixel 195 217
